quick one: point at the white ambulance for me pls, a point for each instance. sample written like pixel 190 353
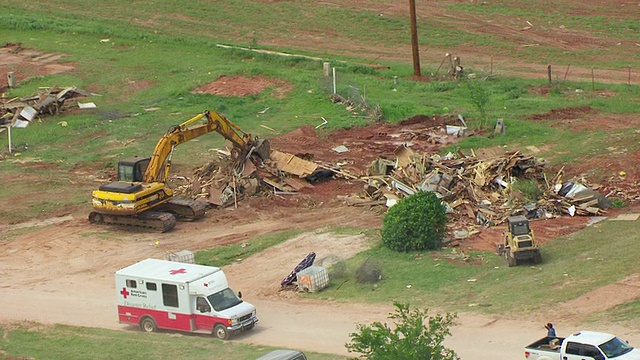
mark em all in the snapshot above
pixel 159 294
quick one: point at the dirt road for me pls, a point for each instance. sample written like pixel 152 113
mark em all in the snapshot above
pixel 61 271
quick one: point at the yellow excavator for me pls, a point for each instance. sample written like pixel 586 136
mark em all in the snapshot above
pixel 141 196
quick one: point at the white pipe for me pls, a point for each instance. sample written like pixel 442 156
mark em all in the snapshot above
pixel 334 81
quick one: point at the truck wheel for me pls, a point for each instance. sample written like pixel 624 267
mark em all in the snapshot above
pixel 221 332
pixel 148 325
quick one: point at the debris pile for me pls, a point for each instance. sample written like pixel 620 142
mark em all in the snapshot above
pixel 481 189
pixel 220 183
pixel 304 263
pixel 20 112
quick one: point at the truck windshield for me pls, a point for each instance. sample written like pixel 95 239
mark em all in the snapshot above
pixel 224 299
pixel 615 347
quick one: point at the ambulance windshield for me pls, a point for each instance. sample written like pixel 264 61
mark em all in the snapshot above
pixel 224 300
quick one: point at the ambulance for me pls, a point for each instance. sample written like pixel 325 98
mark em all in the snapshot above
pixel 160 294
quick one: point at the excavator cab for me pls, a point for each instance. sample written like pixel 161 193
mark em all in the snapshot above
pixel 132 169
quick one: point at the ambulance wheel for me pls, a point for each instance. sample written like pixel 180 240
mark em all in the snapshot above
pixel 148 325
pixel 220 331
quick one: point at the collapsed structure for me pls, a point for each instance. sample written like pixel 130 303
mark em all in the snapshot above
pixel 479 188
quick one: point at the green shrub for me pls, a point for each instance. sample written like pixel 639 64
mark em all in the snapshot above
pixel 618 203
pixel 529 189
pixel 417 222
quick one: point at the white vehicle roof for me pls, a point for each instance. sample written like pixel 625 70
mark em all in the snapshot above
pixel 164 270
pixel 591 337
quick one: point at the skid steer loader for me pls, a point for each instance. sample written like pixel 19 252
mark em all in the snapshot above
pixel 519 244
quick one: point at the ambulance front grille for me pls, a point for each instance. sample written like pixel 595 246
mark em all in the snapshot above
pixel 245 318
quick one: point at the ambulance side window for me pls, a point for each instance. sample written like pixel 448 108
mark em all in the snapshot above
pixel 152 286
pixel 170 295
pixel 131 283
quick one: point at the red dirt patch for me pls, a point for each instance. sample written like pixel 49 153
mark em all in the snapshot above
pixel 28 63
pixel 586 118
pixel 421 133
pixel 243 86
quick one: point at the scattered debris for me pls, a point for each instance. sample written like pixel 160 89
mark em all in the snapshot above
pixel 20 112
pixel 305 263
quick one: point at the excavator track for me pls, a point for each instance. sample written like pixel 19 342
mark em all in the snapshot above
pixel 184 209
pixel 161 221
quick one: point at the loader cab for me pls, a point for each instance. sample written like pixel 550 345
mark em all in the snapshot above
pixel 132 169
pixel 518 225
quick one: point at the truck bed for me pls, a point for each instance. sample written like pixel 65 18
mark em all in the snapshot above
pixel 543 344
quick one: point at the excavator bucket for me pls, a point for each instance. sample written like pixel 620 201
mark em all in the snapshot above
pixel 262 148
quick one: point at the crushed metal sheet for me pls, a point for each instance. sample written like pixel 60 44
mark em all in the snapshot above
pixel 340 149
pixel 89 105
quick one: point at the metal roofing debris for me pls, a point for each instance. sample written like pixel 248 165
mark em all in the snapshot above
pixel 20 112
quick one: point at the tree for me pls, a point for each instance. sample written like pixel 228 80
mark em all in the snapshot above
pixel 415 336
pixel 416 222
pixel 479 96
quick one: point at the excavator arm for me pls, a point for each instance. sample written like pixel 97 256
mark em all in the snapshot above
pixel 160 162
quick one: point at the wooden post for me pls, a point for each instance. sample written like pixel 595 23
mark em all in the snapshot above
pixel 442 63
pixel 11 80
pixel 235 196
pixel 491 69
pixel 8 129
pixel 326 67
pixel 414 39
pixel 566 73
pixel 549 73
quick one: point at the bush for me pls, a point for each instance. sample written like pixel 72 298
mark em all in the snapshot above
pixel 417 222
pixel 416 335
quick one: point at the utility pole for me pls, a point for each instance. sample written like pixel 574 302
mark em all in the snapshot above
pixel 414 39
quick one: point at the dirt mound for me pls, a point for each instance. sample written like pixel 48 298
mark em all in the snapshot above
pixel 563 113
pixel 244 86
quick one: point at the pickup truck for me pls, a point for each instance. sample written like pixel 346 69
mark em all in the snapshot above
pixel 583 345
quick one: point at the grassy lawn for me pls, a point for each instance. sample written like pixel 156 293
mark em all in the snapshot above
pixel 34 341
